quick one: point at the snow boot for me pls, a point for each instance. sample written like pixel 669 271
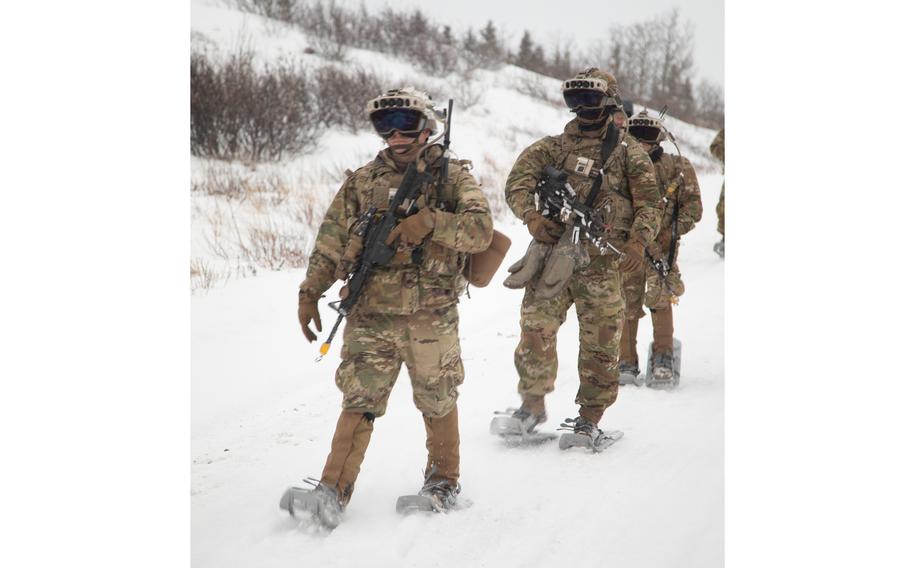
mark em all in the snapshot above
pixel 443 447
pixel 320 503
pixel 719 247
pixel 585 433
pixel 440 485
pixel 517 427
pixel 349 446
pixel 628 354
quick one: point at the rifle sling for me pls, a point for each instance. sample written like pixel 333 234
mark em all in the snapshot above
pixel 611 139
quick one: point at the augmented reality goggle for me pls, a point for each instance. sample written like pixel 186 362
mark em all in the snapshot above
pixel 643 129
pixel 583 98
pixel 404 120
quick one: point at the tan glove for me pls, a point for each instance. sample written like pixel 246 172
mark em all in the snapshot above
pixel 543 229
pixel 306 312
pixel 413 229
pixel 528 266
pixel 633 257
pixel 655 249
pixel 349 259
pixel 567 257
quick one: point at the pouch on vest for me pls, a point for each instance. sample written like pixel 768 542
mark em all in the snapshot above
pixel 482 266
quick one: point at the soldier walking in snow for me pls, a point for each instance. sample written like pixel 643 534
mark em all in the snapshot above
pixel 717 150
pixel 682 209
pixel 407 311
pixel 612 174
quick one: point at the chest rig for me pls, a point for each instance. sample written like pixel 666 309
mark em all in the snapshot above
pixel 595 170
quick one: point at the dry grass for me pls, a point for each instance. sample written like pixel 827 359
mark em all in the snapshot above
pixel 205 276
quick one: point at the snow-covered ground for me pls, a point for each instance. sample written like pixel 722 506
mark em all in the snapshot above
pixel 263 411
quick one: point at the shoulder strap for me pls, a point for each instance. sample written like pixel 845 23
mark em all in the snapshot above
pixel 611 139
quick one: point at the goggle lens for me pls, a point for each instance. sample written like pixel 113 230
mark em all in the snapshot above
pixel 583 98
pixel 400 119
pixel 646 133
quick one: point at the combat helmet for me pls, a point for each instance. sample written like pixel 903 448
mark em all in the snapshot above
pixel 647 128
pixel 406 110
pixel 591 88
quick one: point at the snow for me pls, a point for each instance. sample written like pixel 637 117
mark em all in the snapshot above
pixel 263 413
pixel 263 410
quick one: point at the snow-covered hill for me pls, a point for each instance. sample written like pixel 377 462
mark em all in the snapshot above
pixel 263 411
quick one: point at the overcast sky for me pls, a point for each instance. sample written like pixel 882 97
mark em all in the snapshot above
pixel 554 19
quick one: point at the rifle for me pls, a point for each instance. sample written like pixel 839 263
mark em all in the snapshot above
pixel 558 199
pixel 375 230
pixel 661 266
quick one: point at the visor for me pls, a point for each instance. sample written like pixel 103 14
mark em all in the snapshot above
pixel 401 119
pixel 646 133
pixel 583 98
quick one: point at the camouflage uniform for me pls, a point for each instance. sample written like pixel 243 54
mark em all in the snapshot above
pixel 406 313
pixel 629 202
pixel 655 295
pixel 717 150
pixel 645 286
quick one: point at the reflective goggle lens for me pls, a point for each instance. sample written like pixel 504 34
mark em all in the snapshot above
pixel 646 133
pixel 400 119
pixel 583 98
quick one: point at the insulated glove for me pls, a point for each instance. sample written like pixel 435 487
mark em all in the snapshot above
pixel 413 229
pixel 306 312
pixel 349 258
pixel 543 229
pixel 633 256
pixel 566 258
pixel 528 266
pixel 655 249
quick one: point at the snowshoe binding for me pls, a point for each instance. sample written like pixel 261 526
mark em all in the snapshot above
pixel 664 368
pixel 516 427
pixel 585 434
pixel 319 503
pixel 629 374
pixel 436 496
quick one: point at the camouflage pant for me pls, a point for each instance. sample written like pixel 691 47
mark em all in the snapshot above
pixel 376 344
pixel 645 287
pixel 720 211
pixel 599 305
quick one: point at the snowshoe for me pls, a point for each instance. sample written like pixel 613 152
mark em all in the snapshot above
pixel 319 504
pixel 516 427
pixel 719 247
pixel 629 374
pixel 584 434
pixel 664 368
pixel 435 497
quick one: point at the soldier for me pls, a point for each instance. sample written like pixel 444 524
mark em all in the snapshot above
pixel 717 150
pixel 679 189
pixel 408 310
pixel 619 183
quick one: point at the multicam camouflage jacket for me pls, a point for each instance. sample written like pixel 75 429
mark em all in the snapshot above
pixel 717 146
pixel 463 226
pixel 628 199
pixel 677 171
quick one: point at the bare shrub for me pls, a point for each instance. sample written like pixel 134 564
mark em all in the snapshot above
pixel 275 247
pixel 284 10
pixel 239 112
pixel 466 93
pixel 204 276
pixel 537 88
pixel 342 96
pixel 222 182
